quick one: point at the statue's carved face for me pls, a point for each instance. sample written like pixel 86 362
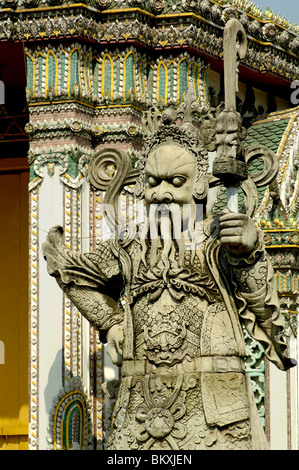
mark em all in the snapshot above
pixel 169 185
pixel 170 173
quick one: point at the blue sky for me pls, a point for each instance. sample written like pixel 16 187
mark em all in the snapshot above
pixel 287 8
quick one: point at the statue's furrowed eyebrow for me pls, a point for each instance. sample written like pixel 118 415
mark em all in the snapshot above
pixel 149 167
pixel 180 154
pixel 175 170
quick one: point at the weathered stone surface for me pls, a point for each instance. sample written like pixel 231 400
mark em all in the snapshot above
pixel 172 297
pixel 188 285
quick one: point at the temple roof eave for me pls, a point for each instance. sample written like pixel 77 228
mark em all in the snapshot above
pixel 272 47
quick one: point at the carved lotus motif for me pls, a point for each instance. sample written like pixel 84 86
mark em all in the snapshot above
pixel 254 28
pixel 284 39
pixel 216 13
pixel 63 25
pixel 293 239
pixel 269 31
pixel 159 422
pixel 9 3
pixel 295 45
pixel 55 2
pixel 76 126
pixel 189 5
pixel 228 13
pixel 101 4
pixel 205 7
pixel 31 3
pixel 157 6
pixel 34 28
pixel 160 415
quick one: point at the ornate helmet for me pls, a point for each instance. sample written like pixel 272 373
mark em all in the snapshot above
pixel 180 128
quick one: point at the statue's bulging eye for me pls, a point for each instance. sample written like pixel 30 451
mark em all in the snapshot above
pixel 178 181
pixel 152 180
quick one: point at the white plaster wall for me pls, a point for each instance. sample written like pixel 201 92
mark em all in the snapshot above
pixel 214 80
pixel 261 99
pixel 242 91
pixel 50 310
pixel 293 397
pixel 278 409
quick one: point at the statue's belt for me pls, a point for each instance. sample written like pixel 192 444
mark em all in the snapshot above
pixel 196 364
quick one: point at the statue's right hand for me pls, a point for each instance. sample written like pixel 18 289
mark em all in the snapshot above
pixel 115 340
pixel 54 239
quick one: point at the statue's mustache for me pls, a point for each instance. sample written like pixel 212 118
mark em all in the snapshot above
pixel 165 223
pixel 164 219
pixel 164 232
pixel 170 220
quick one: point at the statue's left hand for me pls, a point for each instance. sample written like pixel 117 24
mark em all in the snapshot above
pixel 237 233
pixel 115 339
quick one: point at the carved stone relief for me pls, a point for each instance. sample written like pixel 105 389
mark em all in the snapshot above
pixel 177 332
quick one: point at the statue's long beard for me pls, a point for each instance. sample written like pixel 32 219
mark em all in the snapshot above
pixel 169 231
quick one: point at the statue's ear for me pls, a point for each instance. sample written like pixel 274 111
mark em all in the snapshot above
pixel 139 187
pixel 201 188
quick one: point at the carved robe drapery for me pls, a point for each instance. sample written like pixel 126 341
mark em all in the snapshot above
pixel 183 377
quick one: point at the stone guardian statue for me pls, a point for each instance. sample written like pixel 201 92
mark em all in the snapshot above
pixel 170 299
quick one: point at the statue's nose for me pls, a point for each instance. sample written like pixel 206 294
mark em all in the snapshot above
pixel 166 197
pixel 162 194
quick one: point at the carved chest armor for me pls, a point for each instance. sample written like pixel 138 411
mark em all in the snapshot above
pixel 176 396
pixel 174 314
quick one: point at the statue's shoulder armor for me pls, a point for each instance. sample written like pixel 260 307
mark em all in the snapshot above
pixel 105 259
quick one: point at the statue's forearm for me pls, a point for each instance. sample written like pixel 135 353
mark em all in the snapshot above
pixel 99 309
pixel 251 276
pixel 82 277
pixel 253 285
pixel 251 279
pixel 258 304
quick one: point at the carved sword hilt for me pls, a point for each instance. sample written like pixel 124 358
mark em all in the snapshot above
pixel 234 46
pixel 229 165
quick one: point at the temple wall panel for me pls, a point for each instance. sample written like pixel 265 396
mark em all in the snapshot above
pixel 14 305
